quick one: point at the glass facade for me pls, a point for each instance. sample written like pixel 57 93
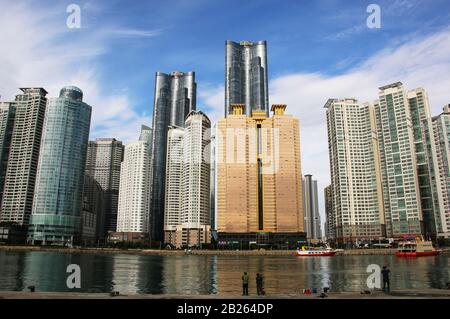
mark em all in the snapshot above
pixel 57 206
pixel 175 96
pixel 246 76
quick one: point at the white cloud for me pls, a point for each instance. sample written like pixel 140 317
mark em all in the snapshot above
pixel 39 50
pixel 420 62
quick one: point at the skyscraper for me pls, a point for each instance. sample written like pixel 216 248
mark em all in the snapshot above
pixel 402 159
pixel 23 157
pixel 103 164
pixel 311 208
pixel 187 213
pixel 7 117
pixel 259 179
pixel 246 76
pixel 58 197
pixel 357 206
pixel 134 194
pixel 437 147
pixel 93 211
pixel 174 98
pixel 330 234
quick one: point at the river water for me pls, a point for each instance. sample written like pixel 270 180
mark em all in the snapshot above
pixel 211 274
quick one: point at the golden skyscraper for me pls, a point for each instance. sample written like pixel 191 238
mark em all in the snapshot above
pixel 259 177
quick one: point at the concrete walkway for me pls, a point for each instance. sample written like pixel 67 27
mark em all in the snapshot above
pixel 403 294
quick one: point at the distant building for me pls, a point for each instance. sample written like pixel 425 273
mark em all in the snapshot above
pixel 18 190
pixel 93 212
pixel 330 227
pixel 437 143
pixel 103 164
pixel 187 213
pixel 246 76
pixel 134 194
pixel 311 208
pixel 175 96
pixel 259 179
pixel 58 198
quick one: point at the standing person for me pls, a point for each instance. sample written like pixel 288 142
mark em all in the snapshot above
pixel 258 284
pixel 261 285
pixel 386 283
pixel 245 279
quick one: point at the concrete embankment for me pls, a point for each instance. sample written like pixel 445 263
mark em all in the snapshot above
pixel 400 294
pixel 353 252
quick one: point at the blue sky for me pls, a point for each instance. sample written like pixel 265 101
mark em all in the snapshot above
pixel 317 50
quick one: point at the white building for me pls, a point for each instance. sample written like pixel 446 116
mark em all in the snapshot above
pixel 357 207
pixel 187 208
pixel 437 142
pixel 134 191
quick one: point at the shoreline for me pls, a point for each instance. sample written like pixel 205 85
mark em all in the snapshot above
pixel 397 294
pixel 353 252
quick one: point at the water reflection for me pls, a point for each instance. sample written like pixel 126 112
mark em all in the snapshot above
pixel 212 274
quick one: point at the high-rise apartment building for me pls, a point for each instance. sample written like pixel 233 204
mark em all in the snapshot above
pixel 246 76
pixel 7 117
pixel 134 195
pixel 187 213
pixel 398 118
pixel 259 179
pixel 23 160
pixel 174 98
pixel 311 208
pixel 357 206
pixel 330 233
pixel 103 164
pixel 437 147
pixel 57 206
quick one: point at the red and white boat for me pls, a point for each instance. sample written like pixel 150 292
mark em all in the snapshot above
pixel 416 248
pixel 314 252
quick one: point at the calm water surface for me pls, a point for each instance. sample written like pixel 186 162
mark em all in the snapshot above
pixel 212 274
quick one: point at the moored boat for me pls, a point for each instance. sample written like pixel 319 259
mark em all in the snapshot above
pixel 416 248
pixel 314 252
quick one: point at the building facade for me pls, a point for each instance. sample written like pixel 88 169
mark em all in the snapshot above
pixel 174 98
pixel 246 76
pixel 311 208
pixel 7 117
pixel 396 131
pixel 259 180
pixel 104 158
pixel 18 191
pixel 58 198
pixel 357 207
pixel 93 212
pixel 187 214
pixel 134 194
pixel 437 145
pixel 330 227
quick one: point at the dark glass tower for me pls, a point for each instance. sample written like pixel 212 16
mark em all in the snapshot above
pixel 246 79
pixel 175 97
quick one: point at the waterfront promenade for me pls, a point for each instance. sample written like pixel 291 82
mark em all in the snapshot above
pixel 398 294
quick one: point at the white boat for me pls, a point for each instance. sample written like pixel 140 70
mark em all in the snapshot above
pixel 314 252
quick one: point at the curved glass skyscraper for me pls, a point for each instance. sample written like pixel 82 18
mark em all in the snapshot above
pixel 57 206
pixel 246 76
pixel 175 97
